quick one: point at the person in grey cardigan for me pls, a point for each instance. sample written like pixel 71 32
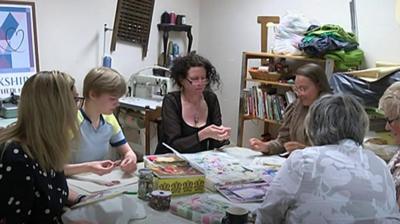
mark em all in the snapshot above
pixel 310 83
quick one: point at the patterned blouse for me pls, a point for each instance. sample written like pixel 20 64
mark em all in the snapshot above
pixel 331 184
pixel 29 194
pixel 394 167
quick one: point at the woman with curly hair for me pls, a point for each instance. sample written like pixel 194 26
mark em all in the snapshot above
pixel 191 117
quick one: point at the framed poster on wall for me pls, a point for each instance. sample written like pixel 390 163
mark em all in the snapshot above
pixel 18 45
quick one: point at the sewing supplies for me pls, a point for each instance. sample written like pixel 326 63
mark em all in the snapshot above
pixel 173 173
pixel 106 56
pixel 172 18
pixel 145 183
pixel 165 18
pixel 160 200
pixel 180 20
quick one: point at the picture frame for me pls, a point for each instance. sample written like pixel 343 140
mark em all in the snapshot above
pixel 19 57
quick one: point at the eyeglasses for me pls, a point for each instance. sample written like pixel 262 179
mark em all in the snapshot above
pixel 203 81
pixel 300 89
pixel 390 121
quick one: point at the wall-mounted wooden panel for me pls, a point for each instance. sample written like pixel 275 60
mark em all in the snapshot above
pixel 133 22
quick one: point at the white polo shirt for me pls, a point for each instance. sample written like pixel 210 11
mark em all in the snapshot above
pixel 94 142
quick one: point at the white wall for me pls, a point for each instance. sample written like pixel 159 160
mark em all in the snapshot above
pixel 228 27
pixel 70 35
pixel 379 34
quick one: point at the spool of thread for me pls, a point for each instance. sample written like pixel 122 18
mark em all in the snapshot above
pixel 170 49
pixel 179 19
pixel 175 49
pixel 165 18
pixel 183 19
pixel 160 200
pixel 172 16
pixel 107 61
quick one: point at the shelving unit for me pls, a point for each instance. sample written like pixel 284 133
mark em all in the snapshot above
pixel 245 78
pixel 166 28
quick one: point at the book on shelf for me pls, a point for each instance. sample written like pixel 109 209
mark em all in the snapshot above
pixel 245 107
pixel 260 103
pixel 257 102
pixel 290 97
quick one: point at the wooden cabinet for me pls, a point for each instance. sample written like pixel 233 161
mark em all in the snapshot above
pixel 281 86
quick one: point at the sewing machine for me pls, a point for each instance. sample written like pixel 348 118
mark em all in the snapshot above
pixel 149 86
pixel 9 106
pixel 144 98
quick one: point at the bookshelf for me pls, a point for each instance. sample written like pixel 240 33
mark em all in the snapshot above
pixel 268 111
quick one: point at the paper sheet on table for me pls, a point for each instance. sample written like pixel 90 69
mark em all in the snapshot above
pixel 274 161
pixel 116 174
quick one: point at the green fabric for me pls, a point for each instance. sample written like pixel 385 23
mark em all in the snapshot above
pixel 331 30
pixel 346 60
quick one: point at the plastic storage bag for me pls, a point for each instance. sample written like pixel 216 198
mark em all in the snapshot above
pixel 368 93
pixel 289 32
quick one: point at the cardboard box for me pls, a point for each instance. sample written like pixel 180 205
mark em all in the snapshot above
pixel 174 174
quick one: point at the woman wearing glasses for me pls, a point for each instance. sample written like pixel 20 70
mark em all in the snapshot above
pixel 390 104
pixel 191 118
pixel 310 83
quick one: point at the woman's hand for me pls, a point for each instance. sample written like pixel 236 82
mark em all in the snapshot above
pixel 258 145
pixel 213 131
pixel 101 167
pixel 291 146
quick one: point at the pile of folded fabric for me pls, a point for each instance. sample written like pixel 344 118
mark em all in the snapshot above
pixel 332 41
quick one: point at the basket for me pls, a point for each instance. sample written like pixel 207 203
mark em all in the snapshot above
pixel 264 75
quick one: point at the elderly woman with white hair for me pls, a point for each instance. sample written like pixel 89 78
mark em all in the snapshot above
pixel 335 180
pixel 390 104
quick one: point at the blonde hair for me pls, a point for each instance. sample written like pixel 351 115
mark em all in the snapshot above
pixel 104 80
pixel 390 100
pixel 46 119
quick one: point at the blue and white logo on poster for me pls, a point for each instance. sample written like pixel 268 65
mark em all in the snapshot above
pixel 17 48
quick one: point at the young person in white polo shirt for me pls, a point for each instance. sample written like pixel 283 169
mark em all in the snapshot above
pixel 98 126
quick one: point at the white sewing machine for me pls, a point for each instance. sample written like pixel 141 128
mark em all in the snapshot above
pixel 149 86
pixel 147 89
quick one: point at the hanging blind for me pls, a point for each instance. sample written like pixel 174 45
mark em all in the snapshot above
pixel 133 22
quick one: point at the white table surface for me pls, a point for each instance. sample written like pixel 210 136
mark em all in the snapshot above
pixel 157 217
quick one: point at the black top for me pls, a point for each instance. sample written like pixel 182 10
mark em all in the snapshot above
pixel 175 132
pixel 29 194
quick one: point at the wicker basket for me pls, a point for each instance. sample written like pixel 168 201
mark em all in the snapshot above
pixel 263 75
